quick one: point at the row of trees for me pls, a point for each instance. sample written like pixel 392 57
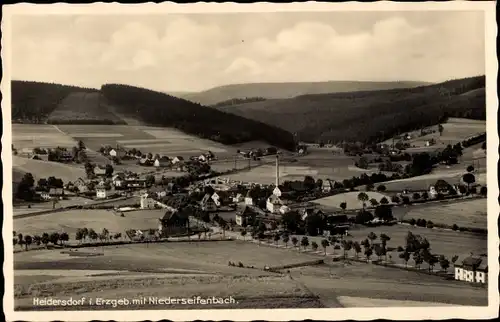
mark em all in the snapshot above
pixel 46 238
pixel 419 249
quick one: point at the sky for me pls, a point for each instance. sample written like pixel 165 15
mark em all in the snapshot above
pixel 195 52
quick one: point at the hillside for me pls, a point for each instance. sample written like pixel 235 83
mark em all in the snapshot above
pixel 83 108
pixel 369 115
pixel 33 102
pixel 158 109
pixel 120 104
pixel 288 90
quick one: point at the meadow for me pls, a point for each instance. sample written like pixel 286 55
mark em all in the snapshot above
pixel 469 213
pixel 454 130
pixel 351 199
pixel 70 221
pixel 44 169
pixel 28 136
pixel 174 269
pixel 165 141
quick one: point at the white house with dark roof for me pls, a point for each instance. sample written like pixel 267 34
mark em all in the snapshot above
pixel 178 159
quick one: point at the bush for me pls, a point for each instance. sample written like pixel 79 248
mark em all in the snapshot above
pixel 462 229
pixel 416 196
pixel 400 249
pixel 413 222
pixel 240 264
pixel 406 200
pixel 430 224
pixel 381 188
pixel 483 191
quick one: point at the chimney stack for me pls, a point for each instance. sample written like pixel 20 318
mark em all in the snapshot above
pixel 277 171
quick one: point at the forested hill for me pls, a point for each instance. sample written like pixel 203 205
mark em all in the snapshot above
pixel 370 115
pixel 33 102
pixel 288 90
pixel 159 109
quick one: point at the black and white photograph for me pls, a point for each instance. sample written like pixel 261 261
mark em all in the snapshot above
pixel 240 162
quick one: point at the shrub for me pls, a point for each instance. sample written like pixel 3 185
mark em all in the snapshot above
pixel 430 224
pixel 473 190
pixel 483 191
pixel 240 264
pixel 454 227
pixel 406 200
pixel 462 229
pixel 381 188
pixel 413 222
pixel 416 196
pixel 400 249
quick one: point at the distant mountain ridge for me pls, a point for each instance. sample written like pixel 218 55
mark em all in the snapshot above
pixel 369 116
pixel 288 90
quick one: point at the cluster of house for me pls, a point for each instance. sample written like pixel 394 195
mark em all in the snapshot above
pixel 155 160
pixel 332 224
pixel 257 153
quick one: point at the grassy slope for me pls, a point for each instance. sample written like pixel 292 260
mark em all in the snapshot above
pixel 364 115
pixel 288 90
pixel 81 107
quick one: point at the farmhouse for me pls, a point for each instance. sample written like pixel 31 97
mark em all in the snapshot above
pixel 100 171
pixel 327 185
pixel 101 193
pixel 158 192
pixel 174 222
pixel 118 153
pixel 249 200
pixel 245 217
pixel 238 198
pixel 208 203
pixel 43 195
pixel 147 202
pixel 177 159
pixel 56 192
pixel 472 269
pixel 162 162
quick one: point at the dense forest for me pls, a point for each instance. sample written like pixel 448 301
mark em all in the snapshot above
pixel 33 102
pixel 235 101
pixel 158 109
pixel 370 116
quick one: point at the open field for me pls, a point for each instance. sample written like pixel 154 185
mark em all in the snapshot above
pixel 351 198
pixel 188 276
pixel 165 141
pixel 470 213
pixel 39 135
pixel 319 166
pixel 339 284
pixel 424 181
pixel 448 243
pixel 174 269
pixel 45 169
pixel 42 206
pixel 454 130
pixel 70 221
